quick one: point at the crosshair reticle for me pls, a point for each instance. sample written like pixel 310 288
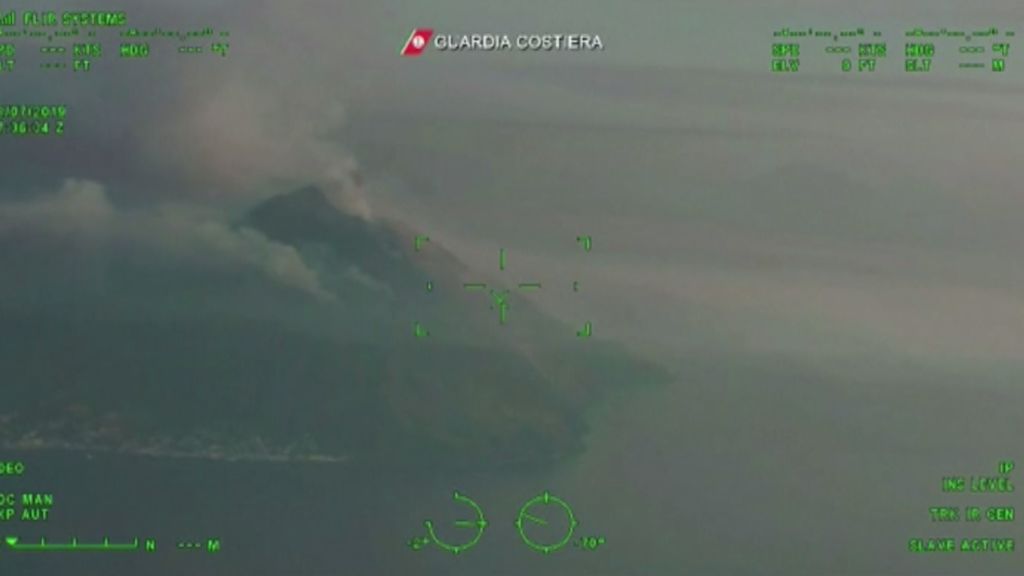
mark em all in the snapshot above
pixel 500 298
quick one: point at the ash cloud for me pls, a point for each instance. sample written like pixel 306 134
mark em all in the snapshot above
pixel 81 214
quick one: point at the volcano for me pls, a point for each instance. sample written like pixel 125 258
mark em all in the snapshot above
pixel 217 366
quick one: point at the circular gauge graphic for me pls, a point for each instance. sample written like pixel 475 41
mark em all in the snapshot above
pixel 474 526
pixel 546 523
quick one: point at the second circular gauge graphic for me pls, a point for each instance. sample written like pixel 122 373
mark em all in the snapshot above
pixel 546 523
